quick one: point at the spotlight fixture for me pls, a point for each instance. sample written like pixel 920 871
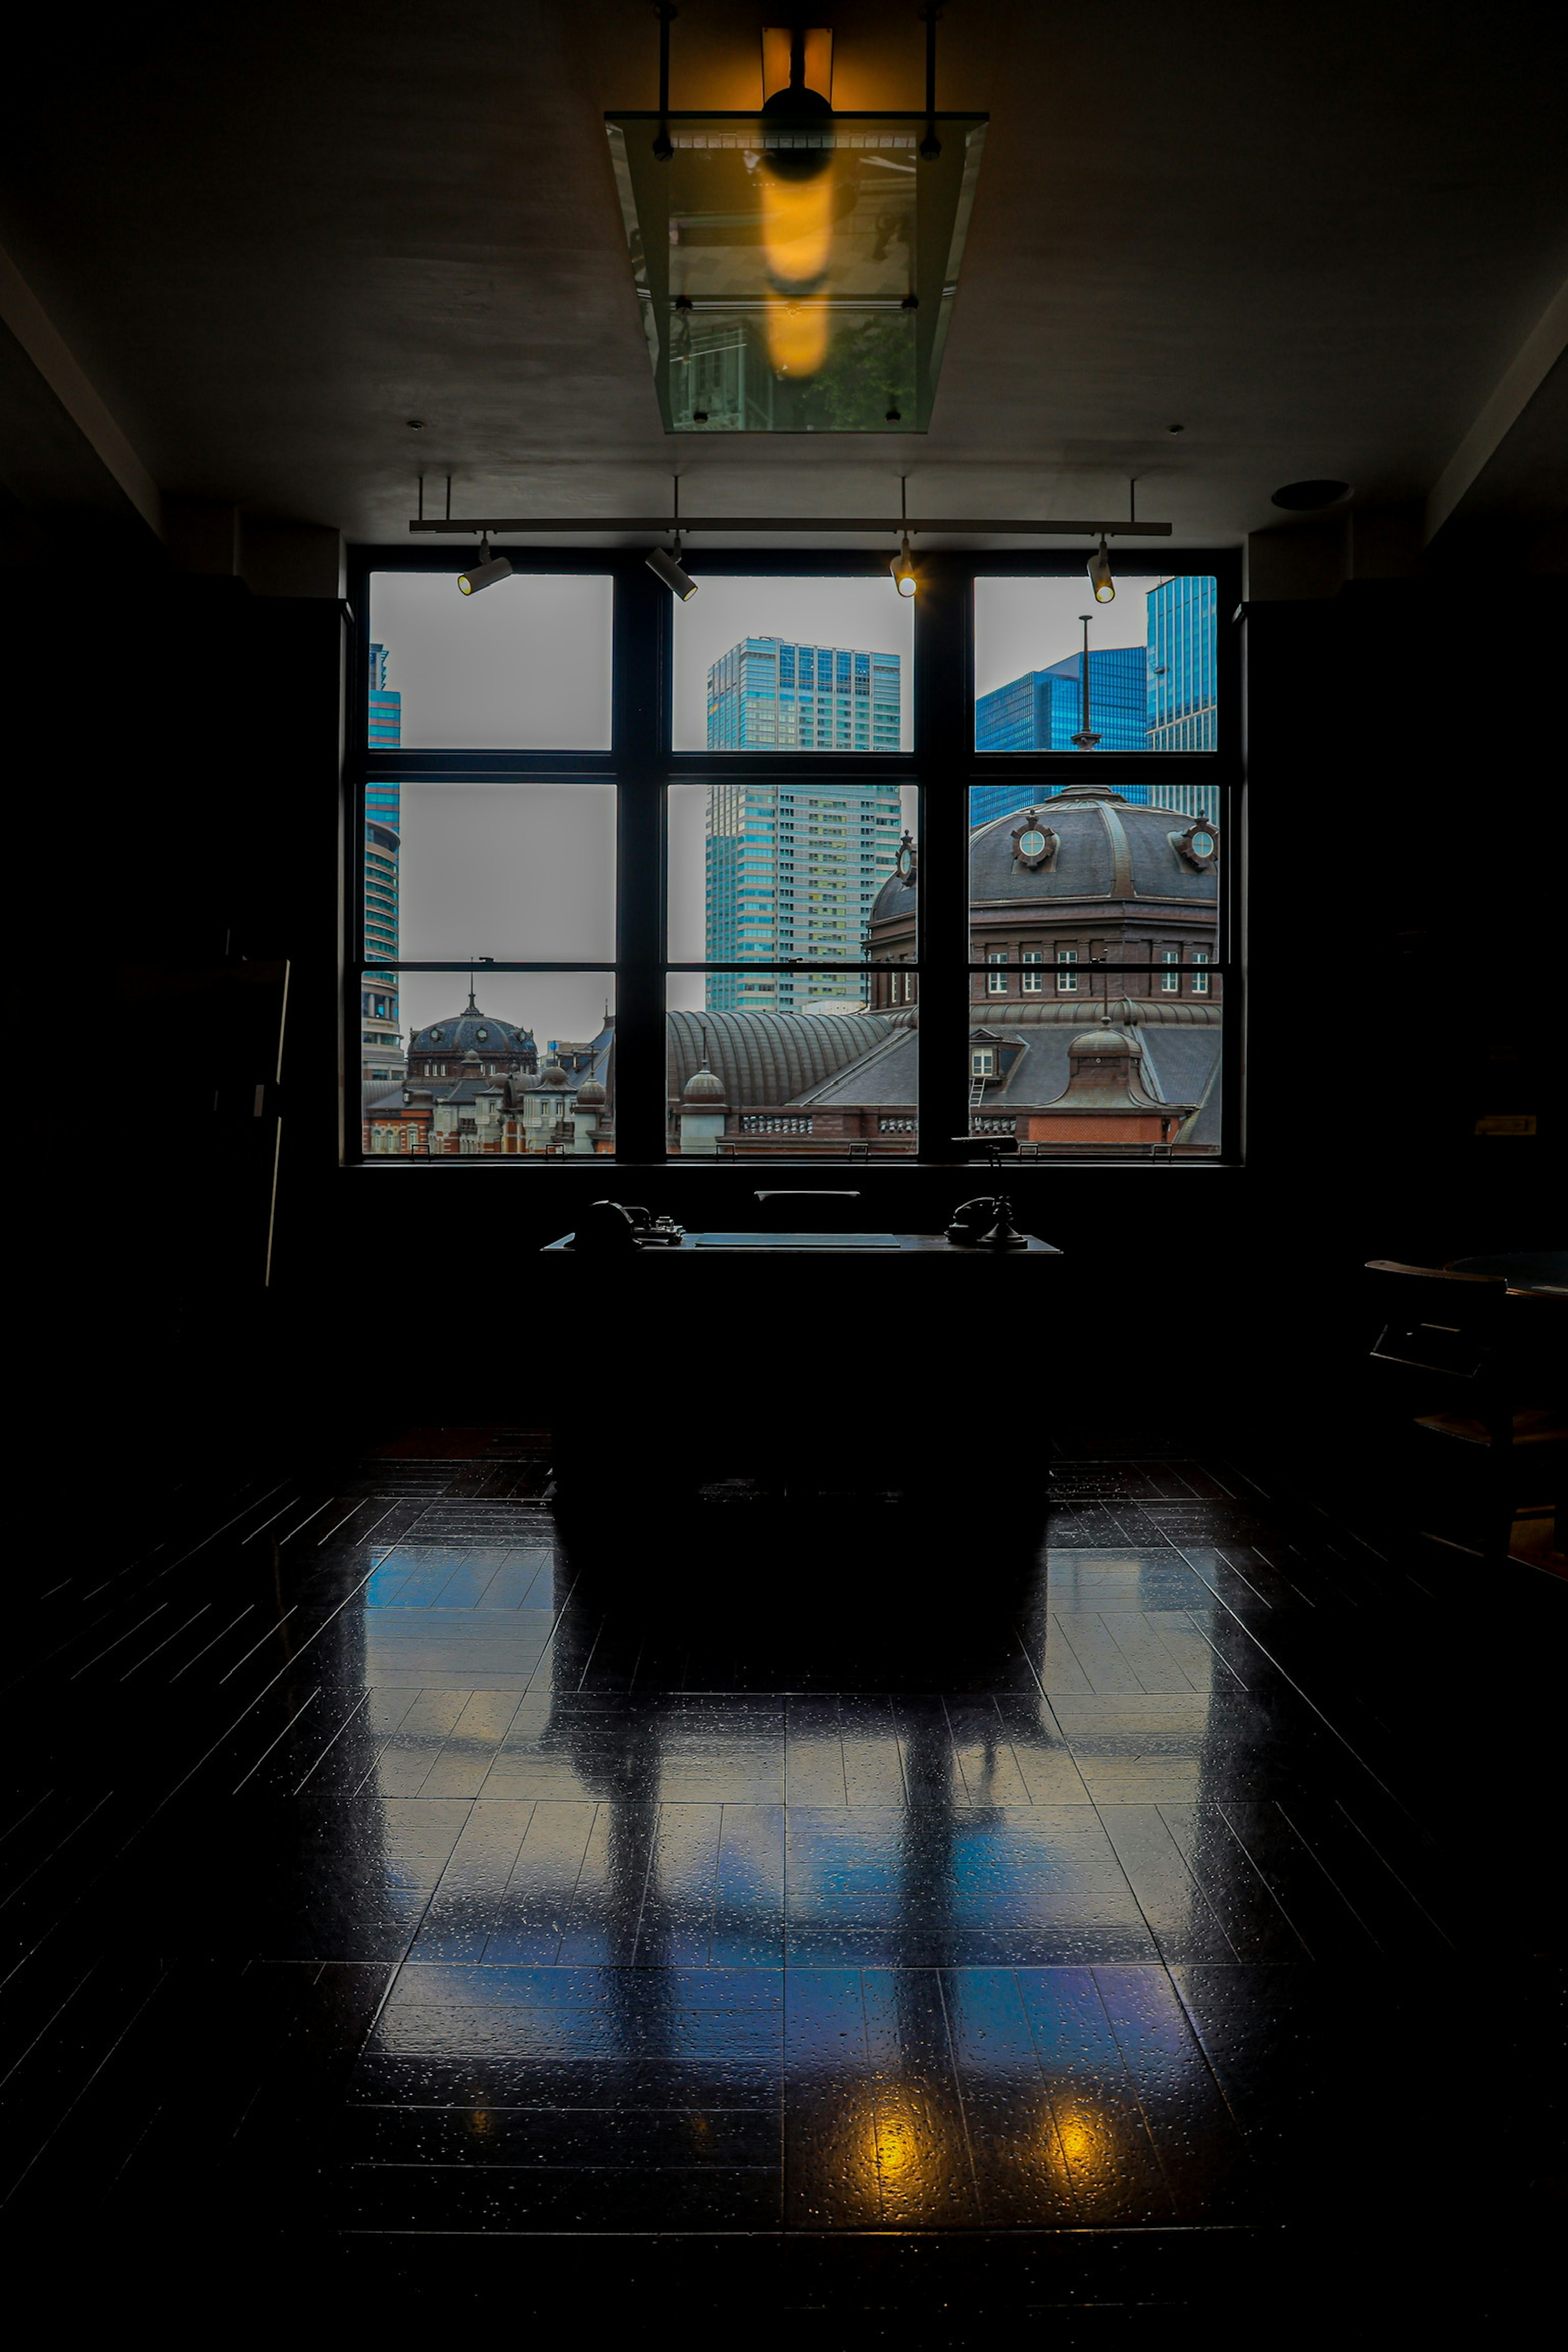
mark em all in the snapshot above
pixel 1100 578
pixel 666 561
pixel 906 580
pixel 485 572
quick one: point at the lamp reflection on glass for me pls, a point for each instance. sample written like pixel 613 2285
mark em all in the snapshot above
pixel 797 336
pixel 797 223
pixel 795 180
pixel 1100 578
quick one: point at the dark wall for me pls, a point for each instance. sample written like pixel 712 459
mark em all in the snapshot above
pixel 179 811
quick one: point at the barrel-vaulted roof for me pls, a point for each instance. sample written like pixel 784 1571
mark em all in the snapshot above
pixel 765 1057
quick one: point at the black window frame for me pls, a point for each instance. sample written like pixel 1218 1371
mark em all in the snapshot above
pixel 942 764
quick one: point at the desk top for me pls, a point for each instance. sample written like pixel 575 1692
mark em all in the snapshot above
pixel 815 1245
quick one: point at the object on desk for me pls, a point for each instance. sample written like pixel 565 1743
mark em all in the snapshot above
pixel 990 1148
pixel 608 1230
pixel 985 1224
pixel 804 1241
pixel 1004 1234
pixel 817 1211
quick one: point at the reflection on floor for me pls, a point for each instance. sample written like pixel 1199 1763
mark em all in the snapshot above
pixel 798 1902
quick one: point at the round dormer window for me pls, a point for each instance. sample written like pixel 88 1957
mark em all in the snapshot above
pixel 435 1036
pixel 1032 844
pixel 1202 846
pixel 483 1035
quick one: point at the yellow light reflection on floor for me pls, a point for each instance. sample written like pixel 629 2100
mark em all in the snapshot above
pixel 1089 2146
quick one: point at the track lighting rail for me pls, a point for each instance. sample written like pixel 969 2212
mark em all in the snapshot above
pixel 810 526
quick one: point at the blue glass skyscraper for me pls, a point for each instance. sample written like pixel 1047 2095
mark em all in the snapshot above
pixel 1043 711
pixel 1183 686
pixel 380 1038
pixel 766 696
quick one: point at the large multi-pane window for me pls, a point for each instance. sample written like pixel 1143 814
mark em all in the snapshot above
pixel 776 873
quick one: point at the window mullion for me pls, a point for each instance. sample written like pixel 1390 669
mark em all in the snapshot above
pixel 943 728
pixel 640 734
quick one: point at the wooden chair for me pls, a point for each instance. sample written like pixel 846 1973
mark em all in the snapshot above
pixel 1476 1372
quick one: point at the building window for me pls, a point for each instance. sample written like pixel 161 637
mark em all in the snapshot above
pixel 536 766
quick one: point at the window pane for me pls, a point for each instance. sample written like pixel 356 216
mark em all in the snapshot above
pixel 837 1082
pixel 511 871
pixel 1059 893
pixel 499 1065
pixel 524 665
pixel 790 665
pixel 763 872
pixel 1117 1077
pixel 1151 684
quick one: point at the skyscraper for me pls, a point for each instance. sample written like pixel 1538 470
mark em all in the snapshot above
pixel 793 871
pixel 765 695
pixel 381 1052
pixel 1042 711
pixel 1183 689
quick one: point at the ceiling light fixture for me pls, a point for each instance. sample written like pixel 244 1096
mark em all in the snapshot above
pixel 1306 498
pixel 1100 578
pixel 795 265
pixel 666 560
pixel 485 572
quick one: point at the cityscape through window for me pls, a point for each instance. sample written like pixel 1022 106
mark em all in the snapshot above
pixel 516 856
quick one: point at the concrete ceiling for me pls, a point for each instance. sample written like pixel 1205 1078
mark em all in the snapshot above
pixel 1314 236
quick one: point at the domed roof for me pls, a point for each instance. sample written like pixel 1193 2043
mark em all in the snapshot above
pixel 704 1085
pixel 552 1074
pixel 591 1091
pixel 1100 1042
pixel 1107 848
pixel 472 1031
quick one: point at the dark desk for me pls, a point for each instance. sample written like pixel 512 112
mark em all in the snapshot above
pixel 755 1354
pixel 837 1246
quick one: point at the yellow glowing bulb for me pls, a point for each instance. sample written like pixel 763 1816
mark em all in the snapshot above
pixel 902 568
pixel 797 336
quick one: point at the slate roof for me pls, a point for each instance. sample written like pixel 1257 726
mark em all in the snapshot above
pixel 1109 850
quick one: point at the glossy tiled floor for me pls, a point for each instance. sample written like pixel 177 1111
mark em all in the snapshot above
pixel 807 1906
